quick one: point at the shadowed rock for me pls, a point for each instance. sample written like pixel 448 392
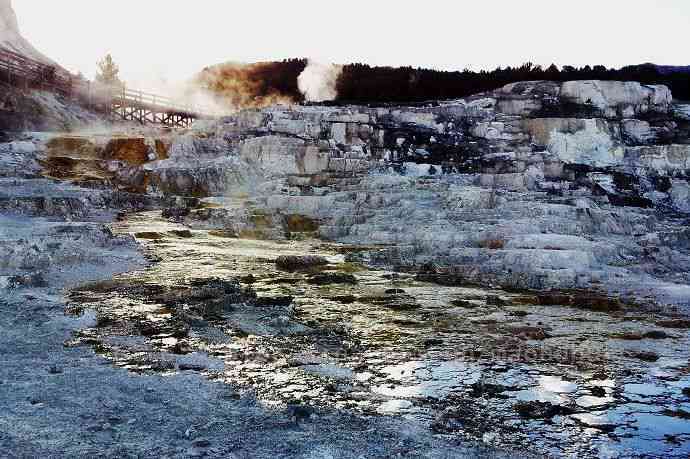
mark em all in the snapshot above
pixel 300 262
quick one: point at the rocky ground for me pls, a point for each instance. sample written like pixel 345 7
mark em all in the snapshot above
pixel 478 363
pixel 507 270
pixel 62 399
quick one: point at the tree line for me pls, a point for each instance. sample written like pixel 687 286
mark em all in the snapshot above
pixel 362 83
pixel 249 84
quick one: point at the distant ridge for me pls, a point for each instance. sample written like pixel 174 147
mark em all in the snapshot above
pixel 668 69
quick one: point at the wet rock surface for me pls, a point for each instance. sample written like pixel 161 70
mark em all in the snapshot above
pixel 57 381
pixel 395 345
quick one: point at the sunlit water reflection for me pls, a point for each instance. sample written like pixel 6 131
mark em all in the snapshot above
pixel 391 345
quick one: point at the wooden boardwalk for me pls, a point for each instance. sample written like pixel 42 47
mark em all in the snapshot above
pixel 119 102
pixel 143 107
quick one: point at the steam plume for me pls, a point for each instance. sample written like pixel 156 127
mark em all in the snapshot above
pixel 254 85
pixel 318 82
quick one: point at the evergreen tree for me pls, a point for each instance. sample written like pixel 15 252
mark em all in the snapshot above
pixel 108 72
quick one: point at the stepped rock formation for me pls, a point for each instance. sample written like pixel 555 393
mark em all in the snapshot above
pixel 539 185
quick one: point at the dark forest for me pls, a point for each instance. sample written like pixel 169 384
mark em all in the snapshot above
pixel 364 84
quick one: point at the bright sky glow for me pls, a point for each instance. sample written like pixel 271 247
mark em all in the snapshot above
pixel 174 38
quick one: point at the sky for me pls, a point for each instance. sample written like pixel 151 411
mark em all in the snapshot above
pixel 174 39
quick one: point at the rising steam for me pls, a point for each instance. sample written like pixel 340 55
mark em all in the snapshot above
pixel 318 82
pixel 291 81
pixel 188 93
pixel 253 85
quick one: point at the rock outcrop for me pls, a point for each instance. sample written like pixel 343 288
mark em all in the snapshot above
pixel 536 185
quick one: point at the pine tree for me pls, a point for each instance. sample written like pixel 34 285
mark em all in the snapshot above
pixel 108 72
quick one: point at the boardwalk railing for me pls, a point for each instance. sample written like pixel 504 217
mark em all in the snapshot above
pixel 153 100
pixel 119 101
pixel 143 107
pixel 19 70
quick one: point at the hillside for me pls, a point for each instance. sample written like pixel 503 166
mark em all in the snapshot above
pixel 11 37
